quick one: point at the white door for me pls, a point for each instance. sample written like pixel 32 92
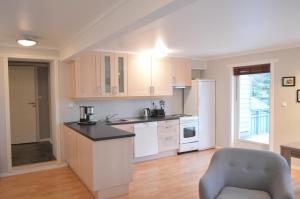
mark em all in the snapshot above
pixel 252 111
pixel 22 104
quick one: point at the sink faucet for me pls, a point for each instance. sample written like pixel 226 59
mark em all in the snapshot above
pixel 109 117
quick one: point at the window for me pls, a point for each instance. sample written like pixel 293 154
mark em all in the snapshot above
pixel 253 103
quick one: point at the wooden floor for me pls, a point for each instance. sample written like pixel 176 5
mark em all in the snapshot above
pixel 173 177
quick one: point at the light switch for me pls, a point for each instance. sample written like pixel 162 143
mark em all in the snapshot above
pixel 71 105
pixel 284 104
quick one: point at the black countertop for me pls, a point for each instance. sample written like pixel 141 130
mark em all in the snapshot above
pixel 104 131
pixel 99 131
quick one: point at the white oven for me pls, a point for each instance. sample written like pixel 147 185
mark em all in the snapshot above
pixel 189 134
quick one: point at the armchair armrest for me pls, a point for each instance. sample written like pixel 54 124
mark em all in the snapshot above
pixel 211 184
pixel 281 187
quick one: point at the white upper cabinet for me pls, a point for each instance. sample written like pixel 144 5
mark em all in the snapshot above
pixel 139 75
pixel 114 74
pixel 149 76
pixel 103 74
pixel 182 72
pixel 85 76
pixel 161 78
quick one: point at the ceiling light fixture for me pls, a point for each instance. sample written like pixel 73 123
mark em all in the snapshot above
pixel 27 42
pixel 160 49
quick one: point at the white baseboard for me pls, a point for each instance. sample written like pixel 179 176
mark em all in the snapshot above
pixel 157 156
pixel 46 139
pixel 33 168
pixel 295 167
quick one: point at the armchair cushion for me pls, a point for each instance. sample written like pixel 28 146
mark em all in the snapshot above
pixel 238 193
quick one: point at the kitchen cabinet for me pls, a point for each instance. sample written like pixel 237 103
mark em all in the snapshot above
pixel 182 72
pixel 70 149
pixel 108 74
pixel 139 75
pixel 146 139
pixel 161 77
pixel 103 166
pixel 168 135
pixel 95 75
pixel 121 75
pixel 85 76
pixel 114 74
pixel 85 160
pixel 99 75
pixel 149 76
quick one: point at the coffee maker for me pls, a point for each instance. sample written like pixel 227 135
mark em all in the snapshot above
pixel 86 115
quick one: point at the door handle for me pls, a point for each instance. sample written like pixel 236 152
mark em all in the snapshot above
pixel 33 104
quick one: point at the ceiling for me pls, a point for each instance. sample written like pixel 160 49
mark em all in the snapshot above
pixel 51 22
pixel 200 29
pixel 213 28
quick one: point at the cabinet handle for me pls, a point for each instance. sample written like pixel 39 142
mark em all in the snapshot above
pixel 174 80
pixel 151 90
pixel 99 90
pixel 112 90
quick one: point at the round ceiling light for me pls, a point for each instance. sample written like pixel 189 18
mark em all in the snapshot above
pixel 26 42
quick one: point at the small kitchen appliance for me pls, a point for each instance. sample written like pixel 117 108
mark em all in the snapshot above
pixel 86 115
pixel 146 112
pixel 159 112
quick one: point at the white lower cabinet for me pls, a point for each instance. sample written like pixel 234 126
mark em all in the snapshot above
pixel 155 137
pixel 146 139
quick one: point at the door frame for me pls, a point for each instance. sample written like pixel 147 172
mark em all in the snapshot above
pixel 234 115
pixel 54 115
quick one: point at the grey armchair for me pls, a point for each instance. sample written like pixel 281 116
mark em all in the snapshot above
pixel 236 173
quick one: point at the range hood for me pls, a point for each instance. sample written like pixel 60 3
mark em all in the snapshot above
pixel 181 86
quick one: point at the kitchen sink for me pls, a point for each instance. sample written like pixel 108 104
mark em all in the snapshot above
pixel 112 121
pixel 135 119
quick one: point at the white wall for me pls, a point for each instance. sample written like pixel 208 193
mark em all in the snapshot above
pixel 3 122
pixel 286 120
pixel 123 107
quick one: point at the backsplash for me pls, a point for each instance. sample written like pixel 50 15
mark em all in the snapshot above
pixel 124 107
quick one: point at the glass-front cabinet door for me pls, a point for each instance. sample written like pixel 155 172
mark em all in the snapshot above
pixel 120 87
pixel 107 74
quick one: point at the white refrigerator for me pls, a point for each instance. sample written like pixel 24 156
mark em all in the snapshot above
pixel 200 100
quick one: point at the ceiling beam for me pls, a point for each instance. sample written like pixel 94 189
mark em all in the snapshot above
pixel 128 16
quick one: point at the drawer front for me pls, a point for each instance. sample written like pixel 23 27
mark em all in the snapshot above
pixel 168 123
pixel 168 137
pixel 167 143
pixel 169 130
